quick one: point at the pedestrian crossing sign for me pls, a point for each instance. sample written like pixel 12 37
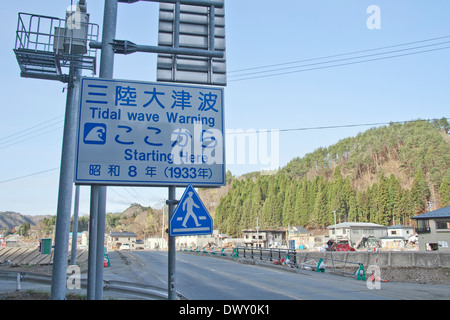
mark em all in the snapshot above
pixel 190 216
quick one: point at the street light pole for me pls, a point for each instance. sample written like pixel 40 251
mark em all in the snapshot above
pixel 335 234
pixel 61 253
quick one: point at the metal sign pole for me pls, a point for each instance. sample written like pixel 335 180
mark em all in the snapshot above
pixel 172 292
pixel 73 253
pixel 106 72
pixel 100 243
pixel 93 218
pixel 61 253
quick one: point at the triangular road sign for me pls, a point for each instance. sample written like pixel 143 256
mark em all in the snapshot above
pixel 190 216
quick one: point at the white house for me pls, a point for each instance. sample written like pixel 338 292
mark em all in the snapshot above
pixel 117 239
pixel 397 237
pixel 353 232
pixel 400 231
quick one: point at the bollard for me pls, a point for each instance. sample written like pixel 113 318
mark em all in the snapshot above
pixel 361 273
pixel 287 261
pixel 320 266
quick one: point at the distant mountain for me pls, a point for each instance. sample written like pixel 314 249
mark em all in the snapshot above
pixel 9 219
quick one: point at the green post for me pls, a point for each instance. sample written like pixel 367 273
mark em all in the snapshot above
pixel 46 246
pixel 361 273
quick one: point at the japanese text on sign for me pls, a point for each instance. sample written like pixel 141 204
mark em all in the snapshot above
pixel 140 133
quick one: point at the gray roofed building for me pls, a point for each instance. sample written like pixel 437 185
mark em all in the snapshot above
pixel 433 230
pixel 439 213
pixel 117 239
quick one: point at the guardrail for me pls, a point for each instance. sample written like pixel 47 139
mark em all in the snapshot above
pixel 141 290
pixel 289 258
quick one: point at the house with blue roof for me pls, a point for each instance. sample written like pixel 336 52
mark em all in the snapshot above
pixel 433 229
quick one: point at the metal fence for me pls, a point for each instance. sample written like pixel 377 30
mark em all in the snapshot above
pixel 289 258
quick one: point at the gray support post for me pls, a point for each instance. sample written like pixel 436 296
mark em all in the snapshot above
pixel 212 28
pixel 212 38
pixel 176 26
pixel 172 292
pixel 176 38
pixel 92 242
pixel 106 72
pixel 61 253
pixel 109 33
pixel 73 254
pixel 100 243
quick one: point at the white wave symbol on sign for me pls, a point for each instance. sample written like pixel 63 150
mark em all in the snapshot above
pixel 96 134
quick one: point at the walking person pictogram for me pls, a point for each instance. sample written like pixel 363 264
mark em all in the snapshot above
pixel 190 204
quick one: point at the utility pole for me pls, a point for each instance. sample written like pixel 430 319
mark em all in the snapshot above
pixel 257 232
pixel 335 234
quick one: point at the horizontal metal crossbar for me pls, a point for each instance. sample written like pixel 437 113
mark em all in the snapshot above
pixel 128 47
pixel 201 3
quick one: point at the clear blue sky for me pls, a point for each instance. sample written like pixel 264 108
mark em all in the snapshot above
pixel 259 33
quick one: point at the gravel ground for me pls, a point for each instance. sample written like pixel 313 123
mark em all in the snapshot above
pixel 417 275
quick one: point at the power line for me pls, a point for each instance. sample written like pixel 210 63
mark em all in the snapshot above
pixel 29 175
pixel 331 127
pixel 354 58
pixel 338 55
pixel 334 63
pixel 338 65
pixel 35 126
pixel 120 195
pixel 24 135
pixel 27 139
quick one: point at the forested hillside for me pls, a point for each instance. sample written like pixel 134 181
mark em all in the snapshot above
pixel 385 175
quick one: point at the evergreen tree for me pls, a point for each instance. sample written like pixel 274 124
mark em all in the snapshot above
pixel 289 204
pixel 420 193
pixel 445 192
pixel 382 202
pixel 302 207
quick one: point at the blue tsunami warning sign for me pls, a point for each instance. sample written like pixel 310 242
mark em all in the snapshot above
pixel 190 216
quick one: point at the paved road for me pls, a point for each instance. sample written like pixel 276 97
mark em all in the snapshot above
pixel 212 278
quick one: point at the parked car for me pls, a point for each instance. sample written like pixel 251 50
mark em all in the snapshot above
pixel 125 246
